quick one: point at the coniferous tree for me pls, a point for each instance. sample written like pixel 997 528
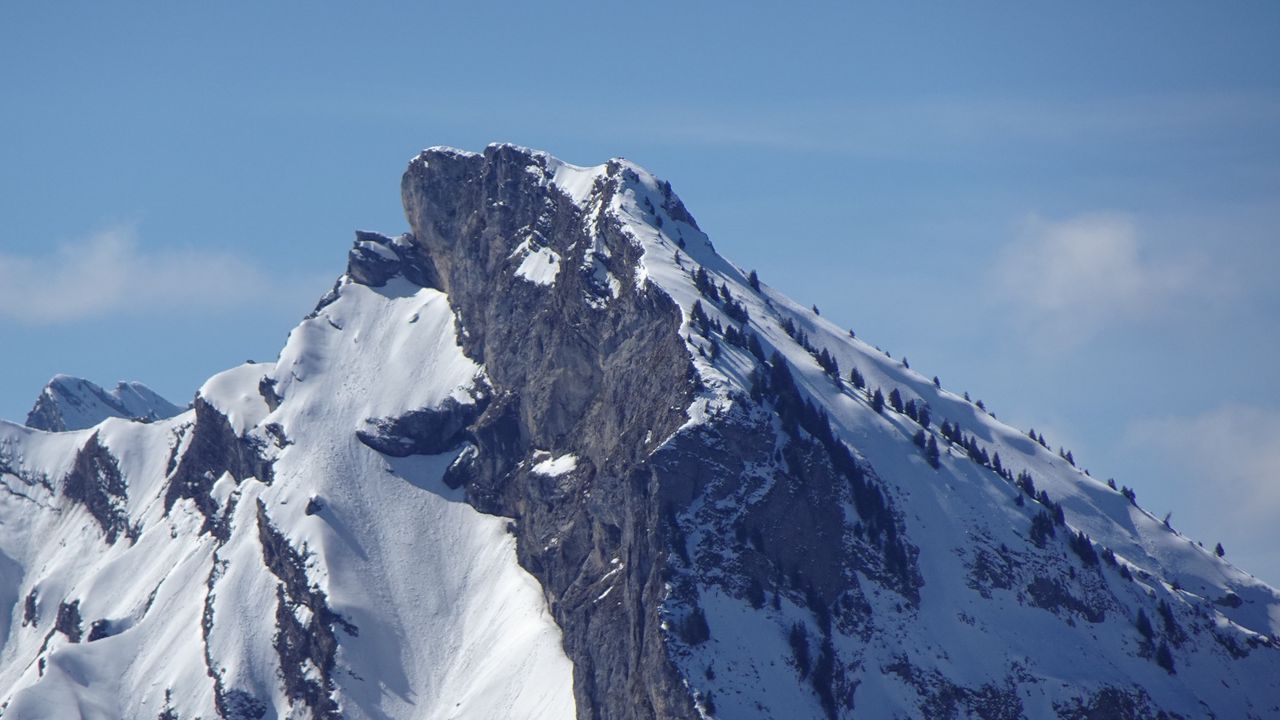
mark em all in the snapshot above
pixel 824 675
pixel 753 346
pixel 924 416
pixel 877 401
pixel 895 400
pixel 936 382
pixel 1171 626
pixel 1041 529
pixel 828 363
pixel 1144 625
pixel 736 310
pixel 1164 658
pixel 919 439
pixel 755 594
pixel 754 281
pixel 702 281
pixel 695 629
pixel 732 336
pixel 816 311
pixel 1083 547
pixel 799 638
pixel 699 317
pixel 932 454
pixel 905 363
pixel 856 378
pixel 1219 551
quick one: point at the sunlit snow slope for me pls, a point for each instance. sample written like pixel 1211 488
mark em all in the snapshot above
pixel 432 617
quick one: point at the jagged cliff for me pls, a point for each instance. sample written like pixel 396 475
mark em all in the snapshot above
pixel 547 455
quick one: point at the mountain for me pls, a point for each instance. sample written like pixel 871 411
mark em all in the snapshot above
pixel 549 455
pixel 72 403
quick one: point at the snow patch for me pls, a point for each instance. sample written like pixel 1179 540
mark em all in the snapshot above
pixel 540 267
pixel 555 467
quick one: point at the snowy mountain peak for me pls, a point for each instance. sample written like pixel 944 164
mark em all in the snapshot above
pixel 923 474
pixel 548 455
pixel 72 403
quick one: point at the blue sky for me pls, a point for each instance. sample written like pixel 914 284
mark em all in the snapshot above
pixel 1068 210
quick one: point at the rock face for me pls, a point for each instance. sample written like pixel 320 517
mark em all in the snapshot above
pixel 95 482
pixel 573 371
pixel 594 366
pixel 548 455
pixel 71 403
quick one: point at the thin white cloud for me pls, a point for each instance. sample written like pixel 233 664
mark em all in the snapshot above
pixel 931 125
pixel 1070 279
pixel 109 273
pixel 1229 457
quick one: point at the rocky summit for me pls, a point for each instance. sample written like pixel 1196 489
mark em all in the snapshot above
pixel 547 454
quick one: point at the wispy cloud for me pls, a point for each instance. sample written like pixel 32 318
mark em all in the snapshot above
pixel 110 273
pixel 940 124
pixel 1229 456
pixel 1066 280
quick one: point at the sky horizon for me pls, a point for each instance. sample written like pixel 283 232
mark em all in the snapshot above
pixel 1069 213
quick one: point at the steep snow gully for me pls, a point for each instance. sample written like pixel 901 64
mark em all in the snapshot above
pixel 549 455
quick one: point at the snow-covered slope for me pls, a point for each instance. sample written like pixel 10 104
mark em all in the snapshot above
pixel 1003 626
pixel 550 455
pixel 72 403
pixel 335 580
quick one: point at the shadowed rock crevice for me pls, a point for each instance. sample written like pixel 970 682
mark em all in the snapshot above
pixel 213 450
pixel 305 625
pixel 421 432
pixel 376 258
pixel 95 481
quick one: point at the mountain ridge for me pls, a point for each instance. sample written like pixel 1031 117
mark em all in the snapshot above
pixel 708 513
pixel 71 403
